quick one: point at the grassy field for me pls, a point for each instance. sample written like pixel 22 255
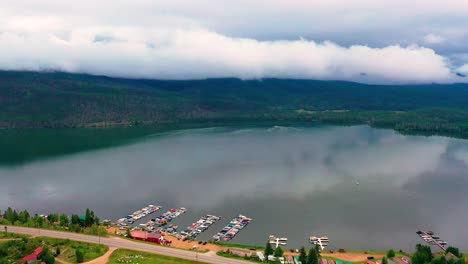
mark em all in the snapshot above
pixel 12 251
pixel 7 235
pixel 68 249
pixel 229 255
pixel 129 256
pixel 230 245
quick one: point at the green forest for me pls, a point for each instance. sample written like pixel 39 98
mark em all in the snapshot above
pixel 55 99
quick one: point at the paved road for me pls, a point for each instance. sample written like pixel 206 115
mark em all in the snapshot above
pixel 116 242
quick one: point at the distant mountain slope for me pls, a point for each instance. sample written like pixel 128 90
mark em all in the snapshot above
pixel 32 99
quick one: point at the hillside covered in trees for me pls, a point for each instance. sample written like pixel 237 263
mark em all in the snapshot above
pixel 36 100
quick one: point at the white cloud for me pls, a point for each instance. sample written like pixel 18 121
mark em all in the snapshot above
pixel 199 53
pixel 433 39
pixel 206 38
pixel 463 69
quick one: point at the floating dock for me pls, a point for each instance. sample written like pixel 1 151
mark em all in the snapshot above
pixel 322 242
pixel 137 215
pixel 432 239
pixel 163 219
pixel 199 226
pixel 233 228
pixel 277 241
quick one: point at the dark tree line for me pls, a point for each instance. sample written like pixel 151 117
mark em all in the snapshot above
pixel 306 258
pixel 423 255
pixel 14 217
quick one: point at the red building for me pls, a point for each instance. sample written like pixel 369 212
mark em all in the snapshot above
pixel 157 238
pixel 33 257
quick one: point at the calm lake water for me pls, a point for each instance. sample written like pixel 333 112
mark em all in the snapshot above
pixel 293 182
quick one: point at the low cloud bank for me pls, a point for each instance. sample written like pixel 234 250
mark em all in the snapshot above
pixel 197 53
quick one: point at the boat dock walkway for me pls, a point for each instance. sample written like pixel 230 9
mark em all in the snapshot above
pixel 137 215
pixel 233 228
pixel 164 218
pixel 277 241
pixel 322 242
pixel 432 239
pixel 199 226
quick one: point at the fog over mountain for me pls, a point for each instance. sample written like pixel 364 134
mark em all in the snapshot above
pixel 364 41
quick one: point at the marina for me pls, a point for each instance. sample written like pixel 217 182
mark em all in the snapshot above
pixel 432 239
pixel 163 219
pixel 199 226
pixel 233 228
pixel 137 215
pixel 322 242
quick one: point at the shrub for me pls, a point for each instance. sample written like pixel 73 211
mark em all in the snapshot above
pixel 79 256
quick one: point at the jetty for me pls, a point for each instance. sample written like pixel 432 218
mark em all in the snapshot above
pixel 432 239
pixel 277 241
pixel 163 219
pixel 233 228
pixel 322 242
pixel 199 226
pixel 137 215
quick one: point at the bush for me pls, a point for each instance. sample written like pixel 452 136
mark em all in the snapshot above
pixel 455 251
pixel 391 254
pixel 48 259
pixel 79 256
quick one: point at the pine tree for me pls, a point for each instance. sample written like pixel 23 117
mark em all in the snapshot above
pixel 88 218
pixel 384 260
pixel 75 220
pixel 278 252
pixel 268 250
pixel 312 258
pixel 64 220
pixel 303 255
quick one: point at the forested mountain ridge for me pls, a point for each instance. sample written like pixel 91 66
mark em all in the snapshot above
pixel 55 99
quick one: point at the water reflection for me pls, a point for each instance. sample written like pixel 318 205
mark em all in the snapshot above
pixel 292 181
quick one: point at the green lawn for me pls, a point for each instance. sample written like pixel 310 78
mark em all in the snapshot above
pixel 135 257
pixel 12 251
pixel 230 245
pixel 229 255
pixel 68 249
pixel 7 235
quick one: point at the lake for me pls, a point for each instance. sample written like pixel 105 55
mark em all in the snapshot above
pixel 364 188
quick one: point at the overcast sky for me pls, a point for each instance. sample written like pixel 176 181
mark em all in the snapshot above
pixel 402 41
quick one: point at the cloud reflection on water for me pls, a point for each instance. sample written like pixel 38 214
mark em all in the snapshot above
pixel 304 175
